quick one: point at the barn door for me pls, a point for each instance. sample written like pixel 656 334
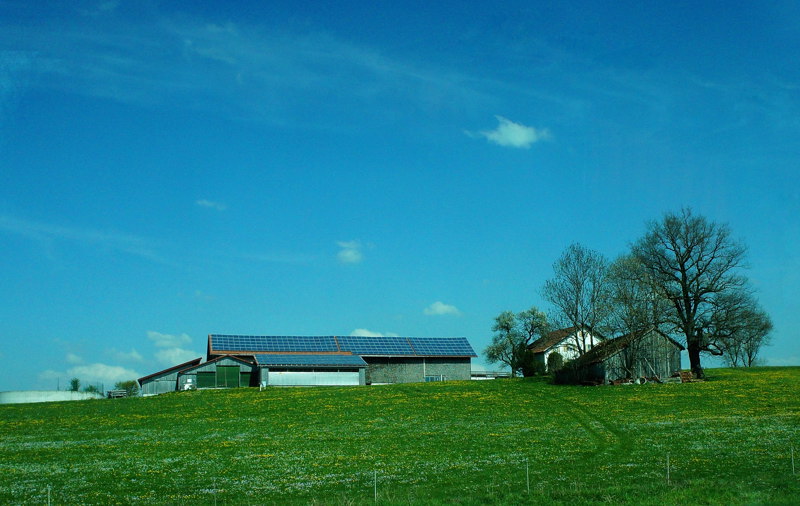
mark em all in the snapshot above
pixel 228 376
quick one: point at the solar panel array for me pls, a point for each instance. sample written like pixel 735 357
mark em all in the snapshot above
pixel 310 360
pixel 361 345
pixel 449 347
pixel 273 343
pixel 357 345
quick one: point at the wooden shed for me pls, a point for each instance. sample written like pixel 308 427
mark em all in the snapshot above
pixel 221 372
pixel 165 381
pixel 647 354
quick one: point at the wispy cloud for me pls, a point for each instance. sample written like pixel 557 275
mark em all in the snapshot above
pixel 513 135
pixel 210 204
pixel 279 258
pixel 175 356
pixel 370 333
pixel 439 308
pixel 251 71
pixel 73 359
pixel 168 340
pixel 126 356
pixel 14 66
pixel 172 347
pixel 350 252
pixel 47 233
pixel 91 374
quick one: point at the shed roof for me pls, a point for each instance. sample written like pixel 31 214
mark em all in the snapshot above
pixel 185 365
pixel 227 344
pixel 244 360
pixel 309 360
pixel 611 347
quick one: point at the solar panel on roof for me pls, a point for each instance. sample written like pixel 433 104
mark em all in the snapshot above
pixel 361 345
pixel 273 343
pixel 309 360
pixel 442 346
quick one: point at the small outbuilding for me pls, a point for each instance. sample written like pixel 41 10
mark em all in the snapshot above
pixel 220 372
pixel 165 381
pixel 647 354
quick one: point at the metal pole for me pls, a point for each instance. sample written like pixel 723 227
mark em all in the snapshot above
pixel 376 486
pixel 527 477
pixel 668 469
pixel 48 495
pixel 792 460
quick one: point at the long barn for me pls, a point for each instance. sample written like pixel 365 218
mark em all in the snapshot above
pixel 239 360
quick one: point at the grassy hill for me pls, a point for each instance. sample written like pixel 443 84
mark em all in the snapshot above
pixel 729 441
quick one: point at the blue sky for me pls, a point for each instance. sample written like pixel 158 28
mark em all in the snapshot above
pixel 174 169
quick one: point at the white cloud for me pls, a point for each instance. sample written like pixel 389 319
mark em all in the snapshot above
pixel 93 373
pixel 350 252
pixel 782 361
pixel 168 340
pixel 369 333
pixel 175 356
pixel 172 351
pixel 74 359
pixel 126 356
pixel 440 308
pixel 514 135
pixel 46 233
pixel 218 206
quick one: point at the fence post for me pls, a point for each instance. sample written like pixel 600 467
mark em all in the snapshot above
pixel 376 486
pixel 527 476
pixel 792 460
pixel 48 495
pixel 668 469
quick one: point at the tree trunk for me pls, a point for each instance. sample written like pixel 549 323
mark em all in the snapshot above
pixel 694 359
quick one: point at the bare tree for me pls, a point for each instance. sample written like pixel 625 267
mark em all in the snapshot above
pixel 637 305
pixel 694 264
pixel 740 328
pixel 532 324
pixel 580 293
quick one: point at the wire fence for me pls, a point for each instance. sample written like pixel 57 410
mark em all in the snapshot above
pixel 378 485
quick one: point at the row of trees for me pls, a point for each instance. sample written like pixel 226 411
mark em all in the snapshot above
pixel 131 387
pixel 683 279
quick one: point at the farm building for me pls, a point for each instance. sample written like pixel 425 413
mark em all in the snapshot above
pixel 646 354
pixel 235 360
pixel 562 341
pixel 348 360
pixel 219 372
pixel 165 381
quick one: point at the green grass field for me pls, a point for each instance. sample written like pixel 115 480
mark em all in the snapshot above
pixel 729 441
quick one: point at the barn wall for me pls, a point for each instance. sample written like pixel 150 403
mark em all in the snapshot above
pixel 309 377
pixel 247 373
pixel 160 384
pixel 415 369
pixel 652 355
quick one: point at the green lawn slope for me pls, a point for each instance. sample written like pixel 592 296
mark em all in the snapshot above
pixel 729 441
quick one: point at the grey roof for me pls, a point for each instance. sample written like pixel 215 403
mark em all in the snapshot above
pixel 357 345
pixel 306 360
pixel 179 367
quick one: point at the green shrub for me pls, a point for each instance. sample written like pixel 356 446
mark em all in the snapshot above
pixel 554 362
